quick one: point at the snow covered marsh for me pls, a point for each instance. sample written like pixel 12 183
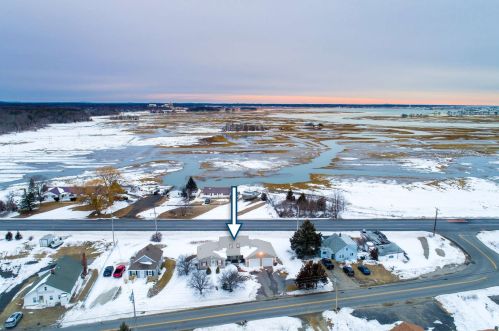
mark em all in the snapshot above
pixel 472 310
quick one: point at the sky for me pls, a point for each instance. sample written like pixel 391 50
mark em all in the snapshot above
pixel 263 51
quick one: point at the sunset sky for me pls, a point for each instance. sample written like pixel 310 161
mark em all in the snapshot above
pixel 414 51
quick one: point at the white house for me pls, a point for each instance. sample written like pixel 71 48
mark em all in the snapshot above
pixel 249 252
pixel 55 287
pixel 60 193
pixel 146 262
pixel 216 192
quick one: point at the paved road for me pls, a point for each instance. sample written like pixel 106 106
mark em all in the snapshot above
pixel 248 225
pixel 480 273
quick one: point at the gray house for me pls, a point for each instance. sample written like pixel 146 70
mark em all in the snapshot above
pixel 147 262
pixel 252 253
pixel 377 240
pixel 56 286
pixel 339 247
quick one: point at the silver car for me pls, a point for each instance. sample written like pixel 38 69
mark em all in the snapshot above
pixel 13 320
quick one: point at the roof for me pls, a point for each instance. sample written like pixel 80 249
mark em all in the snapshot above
pixel 388 249
pixel 337 242
pixel 152 252
pixel 217 190
pixel 47 237
pixel 242 245
pixel 64 275
pixel 61 189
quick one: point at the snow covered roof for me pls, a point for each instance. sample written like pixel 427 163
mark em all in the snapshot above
pixel 243 245
pixel 63 276
pixel 216 190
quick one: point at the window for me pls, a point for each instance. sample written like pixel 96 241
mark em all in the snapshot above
pixel 45 288
pixel 237 245
pixel 51 298
pixel 150 272
pixel 34 300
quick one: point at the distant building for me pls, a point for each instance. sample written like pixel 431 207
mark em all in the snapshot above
pixel 60 193
pixel 386 249
pixel 339 247
pixel 249 252
pixel 250 195
pixel 146 262
pixel 55 287
pixel 216 192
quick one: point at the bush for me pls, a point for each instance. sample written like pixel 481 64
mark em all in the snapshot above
pixel 208 271
pixel 263 197
pixel 18 236
pixel 217 270
pixel 124 327
pixel 157 237
pixel 8 236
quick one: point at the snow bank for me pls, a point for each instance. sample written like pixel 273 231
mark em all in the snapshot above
pixel 344 320
pixel 490 239
pixel 472 310
pixel 268 324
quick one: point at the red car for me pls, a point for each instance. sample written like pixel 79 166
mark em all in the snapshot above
pixel 118 272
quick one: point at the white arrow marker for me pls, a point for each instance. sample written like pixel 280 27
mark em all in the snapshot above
pixel 233 225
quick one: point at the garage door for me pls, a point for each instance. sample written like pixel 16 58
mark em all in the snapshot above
pixel 253 263
pixel 268 262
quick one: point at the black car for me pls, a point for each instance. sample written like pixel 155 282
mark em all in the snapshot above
pixel 327 264
pixel 108 271
pixel 348 270
pixel 365 270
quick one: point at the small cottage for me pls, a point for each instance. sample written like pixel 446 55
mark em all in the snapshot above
pixel 147 262
pixel 339 247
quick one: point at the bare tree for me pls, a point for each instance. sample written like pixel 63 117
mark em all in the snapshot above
pixel 232 279
pixel 338 204
pixel 10 204
pixel 184 265
pixel 200 281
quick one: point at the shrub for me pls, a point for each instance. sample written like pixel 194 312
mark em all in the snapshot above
pixel 8 236
pixel 157 237
pixel 18 236
pixel 217 270
pixel 208 271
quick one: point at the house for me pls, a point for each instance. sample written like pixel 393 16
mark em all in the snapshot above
pixel 250 252
pixel 377 240
pixel 146 262
pixel 339 247
pixel 216 192
pixel 55 287
pixel 250 195
pixel 49 240
pixel 60 193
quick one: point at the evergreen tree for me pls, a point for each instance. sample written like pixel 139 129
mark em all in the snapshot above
pixel 124 327
pixel 191 185
pixel 29 197
pixel 217 270
pixel 306 241
pixel 310 275
pixel 289 196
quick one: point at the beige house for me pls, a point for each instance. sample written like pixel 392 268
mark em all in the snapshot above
pixel 243 250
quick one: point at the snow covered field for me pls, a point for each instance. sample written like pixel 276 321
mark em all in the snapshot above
pixel 472 310
pixel 490 239
pixel 340 321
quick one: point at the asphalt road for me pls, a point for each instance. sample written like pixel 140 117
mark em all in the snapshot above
pixel 481 272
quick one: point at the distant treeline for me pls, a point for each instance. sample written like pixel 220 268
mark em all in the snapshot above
pixel 17 117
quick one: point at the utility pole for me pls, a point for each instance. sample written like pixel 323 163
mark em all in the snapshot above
pixel 112 229
pixel 435 223
pixel 335 284
pixel 155 220
pixel 132 299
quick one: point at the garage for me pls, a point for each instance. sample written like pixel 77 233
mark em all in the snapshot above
pixel 253 263
pixel 267 262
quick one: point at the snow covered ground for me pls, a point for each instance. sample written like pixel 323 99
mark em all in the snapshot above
pixel 340 321
pixel 490 239
pixel 472 310
pixel 243 164
pixel 440 253
pixel 65 212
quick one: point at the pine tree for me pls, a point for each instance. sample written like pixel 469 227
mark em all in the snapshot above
pixel 124 327
pixel 306 241
pixel 29 197
pixel 310 275
pixel 290 196
pixel 191 185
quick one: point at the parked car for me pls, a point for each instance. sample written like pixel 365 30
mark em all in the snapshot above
pixel 108 271
pixel 327 264
pixel 207 201
pixel 118 272
pixel 365 270
pixel 13 320
pixel 348 270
